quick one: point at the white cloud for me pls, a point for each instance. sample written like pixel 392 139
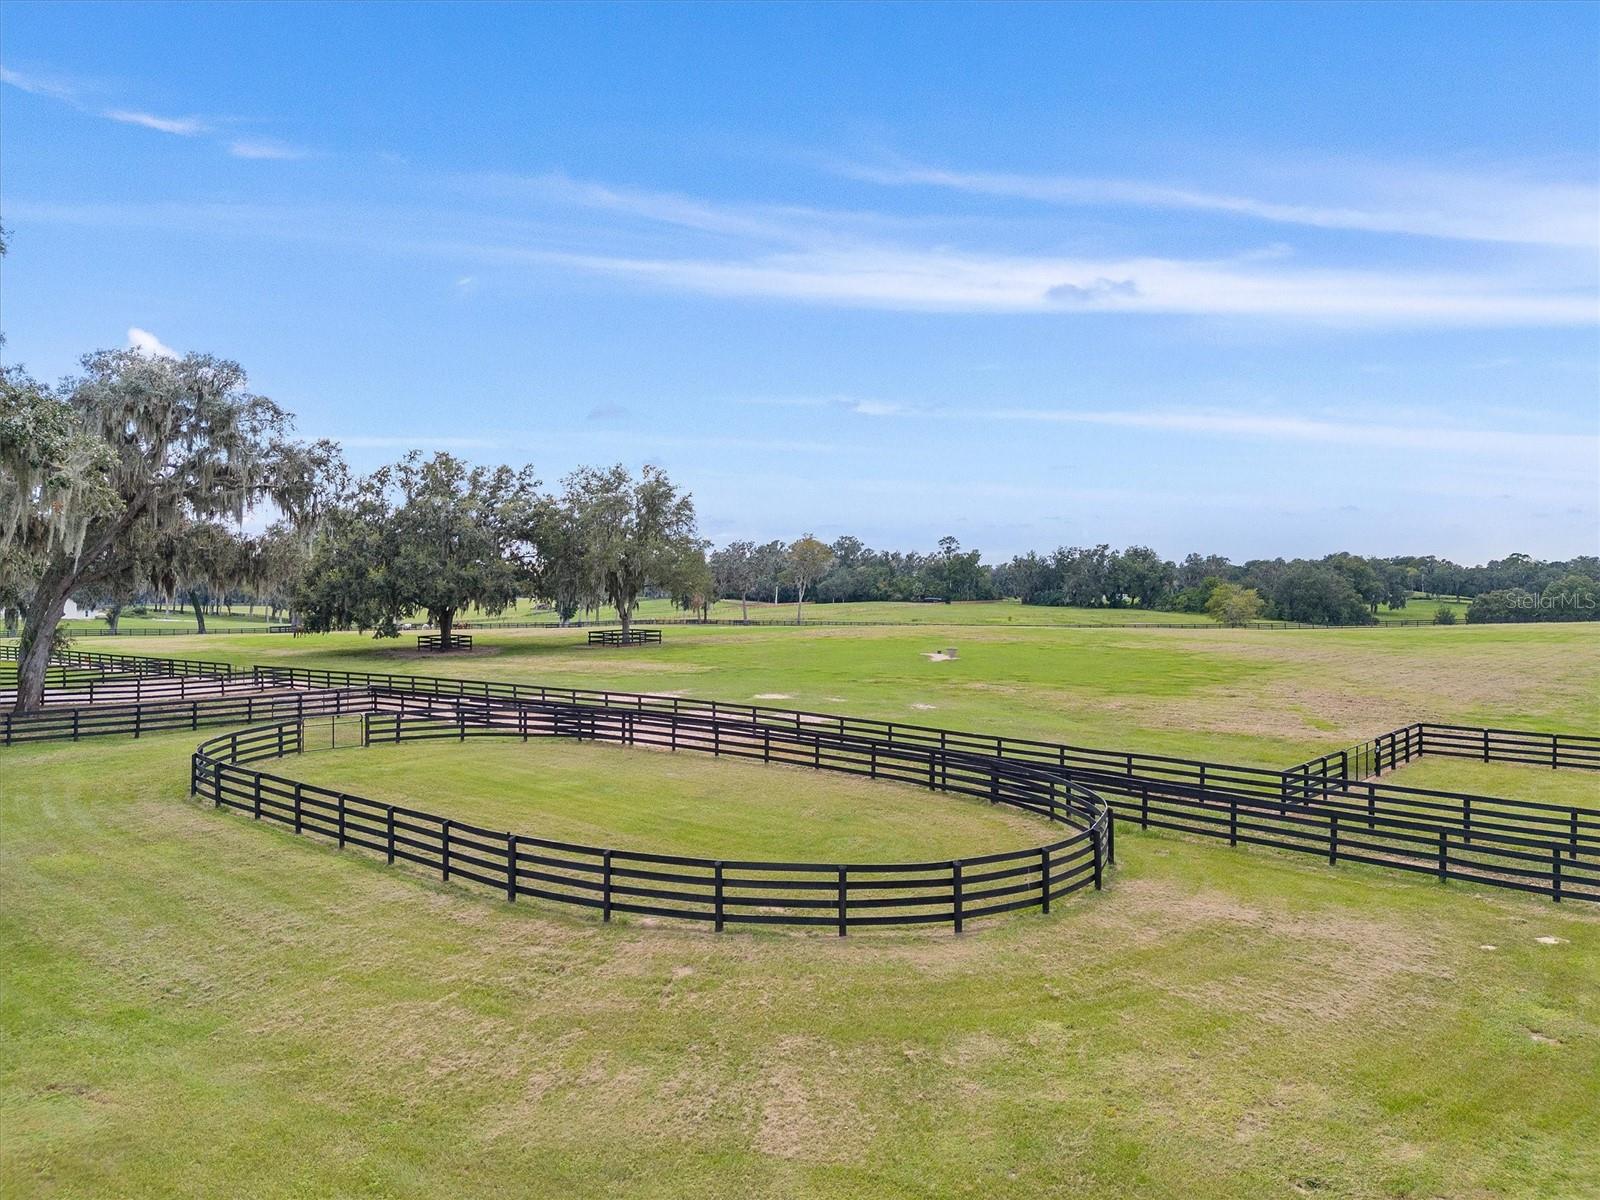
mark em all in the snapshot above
pixel 146 342
pixel 937 280
pixel 266 148
pixel 182 126
pixel 54 86
pixel 1504 207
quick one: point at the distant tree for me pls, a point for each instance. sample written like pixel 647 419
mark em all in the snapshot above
pixel 772 566
pixel 808 559
pixel 560 572
pixel 1318 594
pixel 108 599
pixel 1142 577
pixel 1084 574
pixel 1573 597
pixel 1196 568
pixel 279 559
pixel 736 573
pixel 203 559
pixel 1444 615
pixel 425 535
pixel 94 478
pixel 1231 604
pixel 1502 604
pixel 693 584
pixel 636 533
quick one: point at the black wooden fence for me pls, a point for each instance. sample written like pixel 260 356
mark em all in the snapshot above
pixel 161 716
pixel 438 641
pixel 1550 849
pixel 1559 751
pixel 616 637
pixel 837 896
pixel 137 663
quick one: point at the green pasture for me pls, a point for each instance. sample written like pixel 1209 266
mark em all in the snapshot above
pixel 964 612
pixel 199 1005
pixel 1258 697
pixel 687 803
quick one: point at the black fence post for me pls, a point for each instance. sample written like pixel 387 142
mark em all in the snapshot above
pixel 1555 873
pixel 1233 820
pixel 717 894
pixel 1044 880
pixel 1333 839
pixel 389 835
pixel 1444 853
pixel 955 891
pixel 257 778
pixel 342 799
pixel 843 884
pixel 1144 805
pixel 1098 872
pixel 1111 836
pixel 511 868
pixel 605 885
pixel 444 848
pixel 297 816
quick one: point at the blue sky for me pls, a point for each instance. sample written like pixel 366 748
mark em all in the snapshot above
pixel 1246 279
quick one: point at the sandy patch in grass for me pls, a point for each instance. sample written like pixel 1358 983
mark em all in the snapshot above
pixel 806 1111
pixel 772 696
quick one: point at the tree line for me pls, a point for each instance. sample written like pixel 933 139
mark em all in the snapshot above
pixel 1338 589
pixel 132 478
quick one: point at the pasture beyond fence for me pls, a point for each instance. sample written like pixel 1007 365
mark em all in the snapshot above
pixel 1318 807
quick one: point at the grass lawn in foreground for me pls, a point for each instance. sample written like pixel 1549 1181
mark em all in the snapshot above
pixel 671 803
pixel 197 1005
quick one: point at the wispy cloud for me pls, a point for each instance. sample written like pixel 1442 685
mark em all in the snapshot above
pixel 148 343
pixel 181 126
pixel 937 280
pixel 266 148
pixel 82 96
pixel 57 87
pixel 1504 207
pixel 851 404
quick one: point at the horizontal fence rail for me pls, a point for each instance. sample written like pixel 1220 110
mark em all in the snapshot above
pixel 721 892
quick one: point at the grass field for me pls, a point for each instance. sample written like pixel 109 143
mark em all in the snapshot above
pixel 985 612
pixel 673 803
pixel 976 612
pixel 197 1005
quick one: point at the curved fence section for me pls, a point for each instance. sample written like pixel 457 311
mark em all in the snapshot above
pixel 721 892
pixel 1313 808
